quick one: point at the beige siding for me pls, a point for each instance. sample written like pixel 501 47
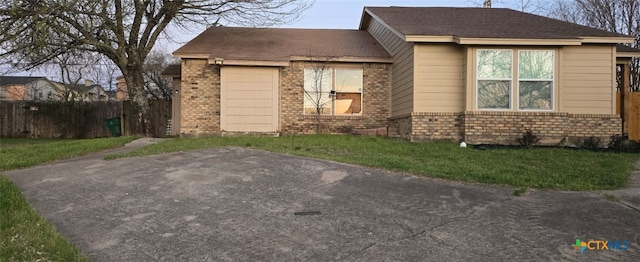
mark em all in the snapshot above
pixel 402 76
pixel 249 99
pixel 438 78
pixel 586 79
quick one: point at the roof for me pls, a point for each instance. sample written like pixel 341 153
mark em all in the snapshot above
pixel 499 23
pixel 283 45
pixel 83 88
pixel 19 80
pixel 174 70
pixel 627 51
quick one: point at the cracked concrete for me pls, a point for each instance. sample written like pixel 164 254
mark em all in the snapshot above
pixel 230 204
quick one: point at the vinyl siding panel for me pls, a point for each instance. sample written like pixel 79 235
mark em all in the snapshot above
pixel 586 79
pixel 402 76
pixel 438 78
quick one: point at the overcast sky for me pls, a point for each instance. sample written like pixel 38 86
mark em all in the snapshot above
pixel 343 14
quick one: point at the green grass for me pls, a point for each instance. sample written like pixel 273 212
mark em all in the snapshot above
pixel 21 153
pixel 552 168
pixel 520 191
pixel 25 235
pixel 610 197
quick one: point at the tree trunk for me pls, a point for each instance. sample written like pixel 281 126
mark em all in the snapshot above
pixel 133 76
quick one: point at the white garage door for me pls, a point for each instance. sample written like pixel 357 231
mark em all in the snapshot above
pixel 249 99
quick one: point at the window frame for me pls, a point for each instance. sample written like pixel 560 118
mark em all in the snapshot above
pixel 333 92
pixel 552 80
pixel 514 89
pixel 478 79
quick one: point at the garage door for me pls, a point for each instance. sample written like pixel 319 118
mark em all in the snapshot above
pixel 249 99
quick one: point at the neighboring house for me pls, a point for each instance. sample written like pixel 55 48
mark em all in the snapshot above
pixel 112 95
pixel 27 88
pixel 474 74
pixel 152 90
pixel 87 92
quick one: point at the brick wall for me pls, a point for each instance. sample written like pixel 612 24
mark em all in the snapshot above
pixel 376 95
pixel 504 127
pixel 429 126
pixel 200 98
pixel 400 126
pixel 552 128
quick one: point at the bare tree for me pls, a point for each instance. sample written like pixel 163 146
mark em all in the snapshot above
pixel 124 31
pixel 156 85
pixel 318 90
pixel 620 16
pixel 530 6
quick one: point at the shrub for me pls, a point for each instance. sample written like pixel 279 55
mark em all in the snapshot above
pixel 591 143
pixel 528 139
pixel 622 144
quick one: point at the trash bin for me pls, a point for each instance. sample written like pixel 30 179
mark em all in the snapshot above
pixel 114 126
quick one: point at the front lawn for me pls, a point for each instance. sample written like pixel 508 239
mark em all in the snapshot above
pixel 24 235
pixel 553 168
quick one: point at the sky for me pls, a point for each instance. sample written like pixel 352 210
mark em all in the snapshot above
pixel 340 14
pixel 345 14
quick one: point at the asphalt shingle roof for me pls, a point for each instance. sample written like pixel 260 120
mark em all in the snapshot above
pixel 18 80
pixel 279 44
pixel 481 23
pixel 172 70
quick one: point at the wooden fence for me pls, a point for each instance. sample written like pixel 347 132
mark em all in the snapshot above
pixel 78 119
pixel 56 120
pixel 158 118
pixel 630 111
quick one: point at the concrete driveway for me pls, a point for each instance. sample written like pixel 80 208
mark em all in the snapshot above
pixel 239 204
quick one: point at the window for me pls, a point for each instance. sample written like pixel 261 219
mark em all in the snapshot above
pixel 494 79
pixel 534 80
pixel 332 91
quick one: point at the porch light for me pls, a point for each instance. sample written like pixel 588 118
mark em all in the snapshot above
pixel 332 94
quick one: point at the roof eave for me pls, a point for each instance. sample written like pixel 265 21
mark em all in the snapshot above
pixel 607 40
pixel 364 19
pixel 381 21
pixel 346 59
pixel 489 41
pixel 627 54
pixel 191 55
pixel 516 41
pixel 241 62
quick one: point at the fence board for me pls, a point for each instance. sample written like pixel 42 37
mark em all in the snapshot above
pixel 158 118
pixel 56 120
pixel 632 113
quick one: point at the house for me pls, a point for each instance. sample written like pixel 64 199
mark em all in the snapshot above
pixel 257 80
pixel 152 89
pixel 476 74
pixel 89 91
pixel 27 88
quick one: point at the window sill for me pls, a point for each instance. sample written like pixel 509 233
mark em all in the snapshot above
pixel 331 117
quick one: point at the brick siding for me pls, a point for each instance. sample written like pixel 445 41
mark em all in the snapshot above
pixel 200 94
pixel 200 98
pixel 429 126
pixel 376 99
pixel 505 127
